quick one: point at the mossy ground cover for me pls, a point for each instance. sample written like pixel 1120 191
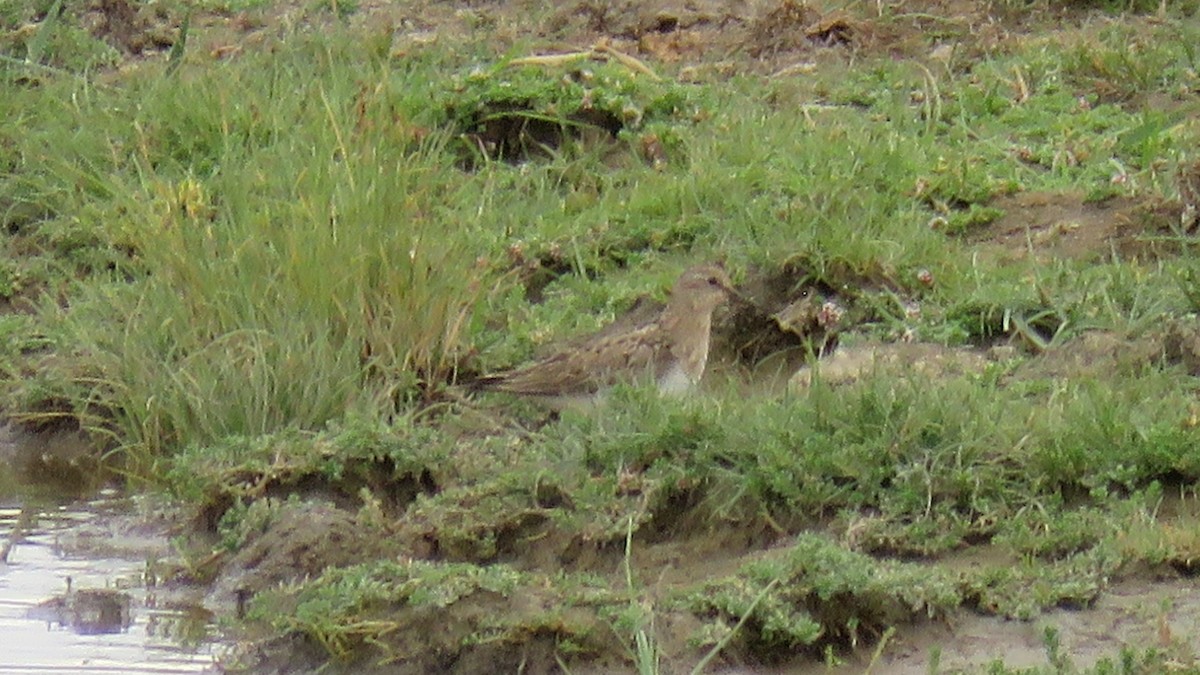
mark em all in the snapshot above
pixel 255 263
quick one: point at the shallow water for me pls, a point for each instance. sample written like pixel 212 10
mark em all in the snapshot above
pixel 43 630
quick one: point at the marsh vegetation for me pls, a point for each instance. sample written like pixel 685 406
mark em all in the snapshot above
pixel 251 249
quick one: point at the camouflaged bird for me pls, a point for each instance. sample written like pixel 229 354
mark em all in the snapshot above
pixel 669 348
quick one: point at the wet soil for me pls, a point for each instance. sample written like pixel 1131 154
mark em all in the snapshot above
pixel 63 461
pixel 1134 614
pixel 1053 226
pixel 1140 610
pixel 303 540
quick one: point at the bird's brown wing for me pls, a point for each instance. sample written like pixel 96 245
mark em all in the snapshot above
pixel 587 367
pixel 644 311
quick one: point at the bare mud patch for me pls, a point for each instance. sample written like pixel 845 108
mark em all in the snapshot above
pixel 1133 614
pixel 1098 353
pixel 850 364
pixel 301 540
pixel 63 462
pixel 1047 226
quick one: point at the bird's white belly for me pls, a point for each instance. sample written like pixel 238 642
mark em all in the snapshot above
pixel 675 381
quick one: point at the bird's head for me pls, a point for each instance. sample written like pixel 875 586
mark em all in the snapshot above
pixel 703 287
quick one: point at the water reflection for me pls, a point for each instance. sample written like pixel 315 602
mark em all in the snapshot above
pixel 90 611
pixel 90 608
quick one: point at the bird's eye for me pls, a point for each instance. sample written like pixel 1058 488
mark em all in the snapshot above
pixel 713 281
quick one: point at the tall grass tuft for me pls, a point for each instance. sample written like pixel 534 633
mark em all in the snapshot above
pixel 293 254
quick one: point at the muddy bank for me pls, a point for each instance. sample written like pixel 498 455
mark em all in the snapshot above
pixel 1137 611
pixel 1134 614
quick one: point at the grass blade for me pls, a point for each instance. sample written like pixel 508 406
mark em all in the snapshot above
pixel 175 57
pixel 37 46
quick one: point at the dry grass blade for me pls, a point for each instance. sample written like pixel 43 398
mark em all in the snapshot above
pixel 602 50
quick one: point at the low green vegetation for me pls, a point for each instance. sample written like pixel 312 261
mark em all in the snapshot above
pixel 338 609
pixel 819 592
pixel 260 278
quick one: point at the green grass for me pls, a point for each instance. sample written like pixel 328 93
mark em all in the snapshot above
pixel 824 594
pixel 287 258
pixel 282 244
pixel 340 610
pixel 41 39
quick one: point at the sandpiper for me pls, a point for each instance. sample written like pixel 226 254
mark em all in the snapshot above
pixel 669 348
